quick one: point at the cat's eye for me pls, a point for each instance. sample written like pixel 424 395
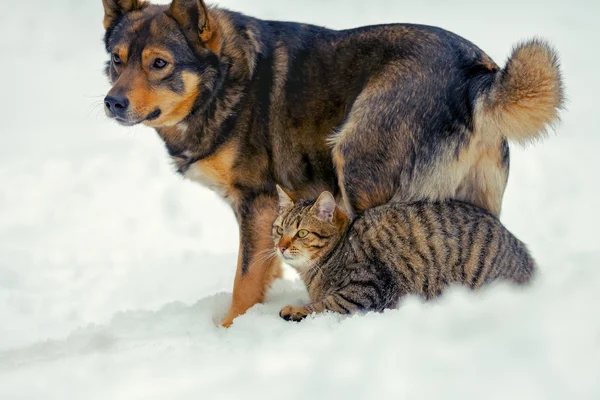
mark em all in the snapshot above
pixel 302 233
pixel 279 230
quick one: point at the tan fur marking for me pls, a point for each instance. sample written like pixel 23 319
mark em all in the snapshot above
pixel 151 53
pixel 214 41
pixel 144 99
pixel 136 26
pixel 525 98
pixel 250 289
pixel 215 171
pixel 179 106
pixel 487 173
pixel 121 51
pixel 484 179
pixel 487 62
pixel 338 161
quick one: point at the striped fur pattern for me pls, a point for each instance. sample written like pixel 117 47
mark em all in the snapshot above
pixel 371 262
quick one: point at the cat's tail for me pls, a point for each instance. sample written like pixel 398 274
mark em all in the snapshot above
pixel 524 267
pixel 521 101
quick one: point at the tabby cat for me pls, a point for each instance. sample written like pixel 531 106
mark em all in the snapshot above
pixel 369 263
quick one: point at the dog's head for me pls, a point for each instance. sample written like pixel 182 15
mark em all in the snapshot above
pixel 162 60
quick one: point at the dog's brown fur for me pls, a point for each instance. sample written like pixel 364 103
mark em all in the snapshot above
pixel 394 113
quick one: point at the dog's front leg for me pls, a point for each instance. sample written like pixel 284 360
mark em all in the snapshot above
pixel 257 264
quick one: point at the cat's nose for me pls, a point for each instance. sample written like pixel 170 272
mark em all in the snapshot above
pixel 283 248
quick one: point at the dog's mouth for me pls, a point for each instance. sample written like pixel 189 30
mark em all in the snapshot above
pixel 125 122
pixel 128 122
pixel 153 115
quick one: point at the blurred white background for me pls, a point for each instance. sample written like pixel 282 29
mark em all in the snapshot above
pixel 110 264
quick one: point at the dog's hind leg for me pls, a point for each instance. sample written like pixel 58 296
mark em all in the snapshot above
pixel 393 146
pixel 486 178
pixel 407 140
pixel 365 176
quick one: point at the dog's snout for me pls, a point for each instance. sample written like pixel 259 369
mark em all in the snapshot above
pixel 117 104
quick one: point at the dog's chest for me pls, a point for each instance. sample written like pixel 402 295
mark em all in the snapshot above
pixel 215 171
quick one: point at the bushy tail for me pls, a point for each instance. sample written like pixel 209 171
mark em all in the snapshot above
pixel 524 98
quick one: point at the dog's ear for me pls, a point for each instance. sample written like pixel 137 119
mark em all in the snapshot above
pixel 193 16
pixel 114 9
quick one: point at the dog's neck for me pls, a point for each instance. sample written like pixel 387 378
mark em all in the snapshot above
pixel 217 109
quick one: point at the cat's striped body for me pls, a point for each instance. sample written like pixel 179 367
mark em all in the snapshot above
pixel 400 249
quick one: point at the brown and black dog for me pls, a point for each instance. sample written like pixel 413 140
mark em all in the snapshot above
pixel 375 114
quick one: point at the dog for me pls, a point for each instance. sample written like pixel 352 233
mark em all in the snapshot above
pixel 377 114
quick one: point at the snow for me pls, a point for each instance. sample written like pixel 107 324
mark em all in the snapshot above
pixel 114 271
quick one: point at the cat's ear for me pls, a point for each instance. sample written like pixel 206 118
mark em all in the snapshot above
pixel 324 207
pixel 285 201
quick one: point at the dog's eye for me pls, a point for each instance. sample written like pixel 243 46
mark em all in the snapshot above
pixel 159 63
pixel 116 59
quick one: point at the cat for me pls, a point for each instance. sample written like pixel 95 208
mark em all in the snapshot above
pixel 371 262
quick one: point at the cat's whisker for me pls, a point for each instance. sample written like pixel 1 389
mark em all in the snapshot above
pixel 261 256
pixel 260 253
pixel 266 259
pixel 313 265
pixel 270 254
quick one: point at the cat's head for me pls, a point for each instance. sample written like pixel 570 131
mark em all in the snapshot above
pixel 306 231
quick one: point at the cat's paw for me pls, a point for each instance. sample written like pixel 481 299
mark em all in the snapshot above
pixel 293 313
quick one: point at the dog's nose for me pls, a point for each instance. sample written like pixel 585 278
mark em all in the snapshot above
pixel 117 104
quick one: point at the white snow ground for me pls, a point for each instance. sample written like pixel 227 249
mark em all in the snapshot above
pixel 113 270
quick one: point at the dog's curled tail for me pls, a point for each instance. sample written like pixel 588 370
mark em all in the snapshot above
pixel 522 100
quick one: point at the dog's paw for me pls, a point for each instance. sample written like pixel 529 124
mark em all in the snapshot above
pixel 293 313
